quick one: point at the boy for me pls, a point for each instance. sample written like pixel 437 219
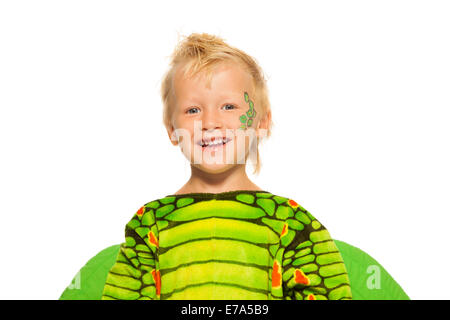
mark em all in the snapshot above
pixel 221 236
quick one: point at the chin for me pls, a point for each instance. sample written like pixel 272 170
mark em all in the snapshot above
pixel 213 168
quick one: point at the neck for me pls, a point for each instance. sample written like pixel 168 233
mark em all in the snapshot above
pixel 234 178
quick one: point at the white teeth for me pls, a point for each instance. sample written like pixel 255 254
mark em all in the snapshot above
pixel 214 143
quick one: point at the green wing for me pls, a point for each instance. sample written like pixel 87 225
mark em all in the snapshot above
pixel 89 282
pixel 368 279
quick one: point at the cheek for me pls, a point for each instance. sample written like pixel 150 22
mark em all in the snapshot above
pixel 248 118
pixel 185 128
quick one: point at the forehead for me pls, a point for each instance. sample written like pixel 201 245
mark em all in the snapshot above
pixel 223 78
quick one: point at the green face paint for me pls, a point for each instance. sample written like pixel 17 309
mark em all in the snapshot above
pixel 247 118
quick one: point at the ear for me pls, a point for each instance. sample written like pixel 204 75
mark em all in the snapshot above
pixel 172 137
pixel 264 124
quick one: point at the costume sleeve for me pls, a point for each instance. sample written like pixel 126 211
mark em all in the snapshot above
pixel 313 268
pixel 135 274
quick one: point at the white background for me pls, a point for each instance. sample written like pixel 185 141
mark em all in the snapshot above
pixel 360 101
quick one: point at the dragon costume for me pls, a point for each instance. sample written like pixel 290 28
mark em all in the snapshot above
pixel 236 245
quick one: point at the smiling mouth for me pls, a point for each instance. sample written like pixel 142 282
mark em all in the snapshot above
pixel 213 144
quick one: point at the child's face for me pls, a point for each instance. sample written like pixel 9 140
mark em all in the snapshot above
pixel 218 111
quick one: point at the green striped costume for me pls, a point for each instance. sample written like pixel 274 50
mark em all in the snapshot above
pixel 236 245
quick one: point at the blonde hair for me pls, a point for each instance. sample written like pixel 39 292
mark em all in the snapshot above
pixel 202 52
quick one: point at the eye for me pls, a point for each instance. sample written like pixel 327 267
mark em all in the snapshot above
pixel 229 105
pixel 189 110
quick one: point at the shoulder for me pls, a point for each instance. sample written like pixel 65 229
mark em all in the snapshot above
pixel 288 210
pixel 142 226
pixel 291 204
pixel 296 216
pixel 300 226
pixel 148 209
pixel 148 212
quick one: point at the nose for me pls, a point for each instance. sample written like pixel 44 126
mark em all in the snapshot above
pixel 211 120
